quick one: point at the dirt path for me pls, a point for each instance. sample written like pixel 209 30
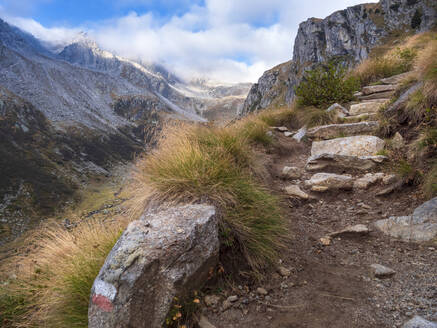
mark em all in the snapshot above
pixel 332 286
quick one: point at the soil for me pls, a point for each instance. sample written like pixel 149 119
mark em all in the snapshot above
pixel 332 286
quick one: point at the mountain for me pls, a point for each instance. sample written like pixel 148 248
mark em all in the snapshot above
pixel 348 34
pixel 72 116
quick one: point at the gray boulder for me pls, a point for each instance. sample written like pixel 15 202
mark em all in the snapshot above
pixel 419 322
pixel 166 253
pixel 418 227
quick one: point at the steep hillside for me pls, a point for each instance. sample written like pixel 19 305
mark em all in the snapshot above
pixel 348 34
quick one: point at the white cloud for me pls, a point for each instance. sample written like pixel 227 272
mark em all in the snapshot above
pixel 227 40
pixel 54 35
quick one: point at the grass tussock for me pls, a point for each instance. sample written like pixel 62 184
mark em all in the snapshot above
pixel 395 61
pixel 50 286
pixel 313 116
pixel 196 163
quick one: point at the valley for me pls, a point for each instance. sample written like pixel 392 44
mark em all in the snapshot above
pixel 133 197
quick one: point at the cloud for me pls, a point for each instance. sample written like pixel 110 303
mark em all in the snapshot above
pixel 226 40
pixel 54 35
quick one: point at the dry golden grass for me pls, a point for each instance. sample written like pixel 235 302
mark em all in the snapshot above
pixel 50 286
pixel 196 163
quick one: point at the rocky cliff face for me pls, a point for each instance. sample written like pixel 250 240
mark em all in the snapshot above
pixel 349 33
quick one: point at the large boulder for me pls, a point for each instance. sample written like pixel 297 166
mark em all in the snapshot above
pixel 333 162
pixel 418 227
pixel 348 129
pixel 166 253
pixel 350 146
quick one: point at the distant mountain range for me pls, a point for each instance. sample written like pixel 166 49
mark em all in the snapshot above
pixel 81 83
pixel 73 114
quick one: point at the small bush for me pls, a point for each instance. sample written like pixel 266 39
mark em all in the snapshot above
pixel 325 85
pixel 408 172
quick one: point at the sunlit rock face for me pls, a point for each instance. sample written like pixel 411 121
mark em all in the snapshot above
pixel 347 34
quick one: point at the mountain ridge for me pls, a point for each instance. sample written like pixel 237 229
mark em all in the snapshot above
pixel 350 33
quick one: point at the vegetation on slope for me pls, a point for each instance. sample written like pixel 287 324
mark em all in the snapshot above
pixel 196 163
pixel 50 285
pixel 326 84
pixel 417 119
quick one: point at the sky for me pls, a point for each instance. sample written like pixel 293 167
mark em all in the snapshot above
pixel 221 40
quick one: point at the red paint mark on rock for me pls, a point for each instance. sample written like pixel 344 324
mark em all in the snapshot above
pixel 103 303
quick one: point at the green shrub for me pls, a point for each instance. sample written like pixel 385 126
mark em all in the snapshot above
pixel 325 85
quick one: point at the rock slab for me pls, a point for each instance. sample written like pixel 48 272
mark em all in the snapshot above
pixel 419 322
pixel 347 129
pixel 166 253
pixel 419 227
pixel 378 88
pixel 349 146
pixel 328 181
pixel 365 108
pixel 332 161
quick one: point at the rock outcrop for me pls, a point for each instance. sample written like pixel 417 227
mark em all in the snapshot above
pixel 348 34
pixel 418 227
pixel 166 253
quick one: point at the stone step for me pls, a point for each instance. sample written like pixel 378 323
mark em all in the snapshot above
pixel 322 182
pixel 396 79
pixel 363 145
pixel 365 107
pixel 346 129
pixel 343 162
pixel 387 94
pixel 381 100
pixel 359 118
pixel 372 89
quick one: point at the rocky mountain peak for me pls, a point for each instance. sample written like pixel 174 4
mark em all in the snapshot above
pixel 350 34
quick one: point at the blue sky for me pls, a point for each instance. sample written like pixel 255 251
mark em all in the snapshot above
pixel 226 40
